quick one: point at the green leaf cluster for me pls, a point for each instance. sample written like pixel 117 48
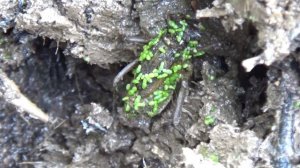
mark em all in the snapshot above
pixel 209 120
pixel 147 54
pixel 177 30
pixel 165 77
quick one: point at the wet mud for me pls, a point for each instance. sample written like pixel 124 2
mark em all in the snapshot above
pixel 230 117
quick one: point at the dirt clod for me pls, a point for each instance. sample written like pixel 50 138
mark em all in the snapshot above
pixel 241 107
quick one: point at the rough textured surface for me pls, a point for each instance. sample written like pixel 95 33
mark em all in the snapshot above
pixel 8 14
pixel 277 24
pixel 90 35
pixel 192 158
pixel 230 117
pixel 96 31
pixel 241 148
pixel 217 88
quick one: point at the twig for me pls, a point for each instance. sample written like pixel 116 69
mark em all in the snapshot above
pixel 11 94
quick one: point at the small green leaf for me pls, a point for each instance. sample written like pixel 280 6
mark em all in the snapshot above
pixel 155 71
pixel 142 104
pixel 140 76
pixel 138 69
pixel 127 107
pixel 161 99
pixel 144 84
pixel 125 98
pixel 177 55
pixel 178 38
pixel 146 54
pixel 153 75
pixel 176 68
pixel 167 71
pixel 138 98
pixel 157 92
pixel 128 86
pixel 149 55
pixel 209 120
pixel 183 23
pixel 193 44
pixel 132 91
pixel 162 50
pixel 135 81
pixel 172 24
pixel 171 31
pixel 153 42
pixel 151 103
pixel 180 34
pixel 136 107
pixel 186 54
pixel 161 32
pixel 137 102
pixel 146 47
pixel 185 66
pixel 161 66
pixel 172 87
pixel 157 97
pixel 162 76
pixel 155 109
pixel 214 158
pixel 199 53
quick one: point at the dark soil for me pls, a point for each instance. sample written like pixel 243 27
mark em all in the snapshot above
pixel 72 91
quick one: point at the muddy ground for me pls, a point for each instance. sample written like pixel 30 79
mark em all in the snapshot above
pixel 237 112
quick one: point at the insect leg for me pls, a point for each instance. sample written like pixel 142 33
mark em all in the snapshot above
pixel 136 39
pixel 117 79
pixel 180 99
pixel 123 72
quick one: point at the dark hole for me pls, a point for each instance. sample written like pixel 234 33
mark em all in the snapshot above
pixel 56 83
pixel 255 85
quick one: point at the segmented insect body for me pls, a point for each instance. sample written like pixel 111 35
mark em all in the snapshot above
pixel 164 61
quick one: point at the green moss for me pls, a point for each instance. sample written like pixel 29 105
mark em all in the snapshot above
pixel 168 76
pixel 147 54
pixel 127 107
pixel 214 157
pixel 162 49
pixel 125 98
pixel 199 53
pixel 128 86
pixel 172 24
pixel 138 69
pixel 172 31
pixel 209 120
pixel 132 91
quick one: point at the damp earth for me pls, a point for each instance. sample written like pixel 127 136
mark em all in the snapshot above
pixel 240 109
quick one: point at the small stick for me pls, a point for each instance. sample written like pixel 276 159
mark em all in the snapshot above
pixel 179 103
pixel 118 78
pixel 11 94
pixel 124 71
